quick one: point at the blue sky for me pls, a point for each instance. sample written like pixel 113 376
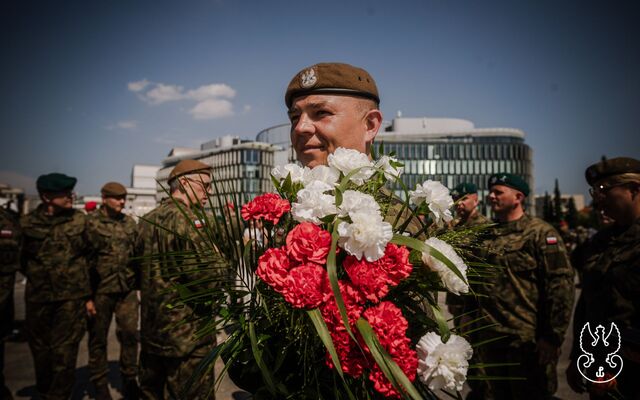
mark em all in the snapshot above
pixel 92 87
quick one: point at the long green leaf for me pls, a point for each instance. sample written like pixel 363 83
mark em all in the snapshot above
pixel 390 369
pixel 333 279
pixel 325 336
pixel 257 354
pixel 443 327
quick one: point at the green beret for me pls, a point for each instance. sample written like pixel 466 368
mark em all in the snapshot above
pixel 55 182
pixel 186 167
pixel 463 189
pixel 614 166
pixel 334 78
pixel 113 189
pixel 510 180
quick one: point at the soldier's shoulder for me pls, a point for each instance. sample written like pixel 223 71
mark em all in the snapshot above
pixel 540 225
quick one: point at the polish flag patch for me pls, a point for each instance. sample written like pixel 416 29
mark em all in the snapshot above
pixel 198 223
pixel 552 240
pixel 5 233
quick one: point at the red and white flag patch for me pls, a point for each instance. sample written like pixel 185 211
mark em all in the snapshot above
pixel 198 223
pixel 6 233
pixel 552 240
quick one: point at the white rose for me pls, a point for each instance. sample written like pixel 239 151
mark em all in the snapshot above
pixel 443 365
pixel 358 202
pixel 322 173
pixel 312 203
pixel 451 281
pixel 367 236
pixel 390 172
pixel 347 160
pixel 437 197
pixel 281 172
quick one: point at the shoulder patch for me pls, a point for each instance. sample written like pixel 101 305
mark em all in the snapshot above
pixel 198 223
pixel 552 240
pixel 6 233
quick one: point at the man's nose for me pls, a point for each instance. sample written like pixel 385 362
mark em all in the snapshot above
pixel 304 125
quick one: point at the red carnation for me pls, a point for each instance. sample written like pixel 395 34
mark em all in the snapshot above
pixel 309 242
pixel 352 360
pixel 273 268
pixel 387 322
pixel 268 206
pixel 395 263
pixel 307 286
pixel 368 277
pixel 353 303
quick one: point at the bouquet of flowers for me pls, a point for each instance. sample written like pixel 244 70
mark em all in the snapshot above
pixel 341 302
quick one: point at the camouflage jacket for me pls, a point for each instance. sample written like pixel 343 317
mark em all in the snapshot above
pixel 54 256
pixel 114 241
pixel 532 296
pixel 474 220
pixel 10 241
pixel 611 285
pixel 175 252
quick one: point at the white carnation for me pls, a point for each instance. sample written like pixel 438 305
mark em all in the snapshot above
pixel 320 173
pixel 390 172
pixel 366 236
pixel 358 202
pixel 437 197
pixel 281 172
pixel 312 203
pixel 347 160
pixel 443 365
pixel 451 281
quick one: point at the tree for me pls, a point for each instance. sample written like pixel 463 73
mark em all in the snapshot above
pixel 572 213
pixel 547 209
pixel 557 204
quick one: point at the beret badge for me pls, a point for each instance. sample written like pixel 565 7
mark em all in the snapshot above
pixel 308 78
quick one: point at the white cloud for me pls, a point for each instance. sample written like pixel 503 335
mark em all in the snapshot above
pixel 128 124
pixel 138 85
pixel 212 108
pixel 211 100
pixel 211 91
pixel 246 108
pixel 165 140
pixel 162 93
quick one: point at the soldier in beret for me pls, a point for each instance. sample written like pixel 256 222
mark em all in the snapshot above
pixel 332 105
pixel 171 245
pixel 54 260
pixel 611 271
pixel 113 236
pixel 529 299
pixel 10 243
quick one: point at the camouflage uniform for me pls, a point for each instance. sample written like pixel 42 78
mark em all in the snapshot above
pixel 10 240
pixel 170 352
pixel 530 299
pixel 54 260
pixel 611 293
pixel 113 281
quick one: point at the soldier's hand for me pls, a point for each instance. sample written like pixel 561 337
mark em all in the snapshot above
pixel 574 379
pixel 91 308
pixel 547 352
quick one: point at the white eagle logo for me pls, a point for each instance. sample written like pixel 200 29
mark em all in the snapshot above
pixel 599 362
pixel 308 78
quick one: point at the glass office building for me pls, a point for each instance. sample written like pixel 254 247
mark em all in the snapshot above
pixel 453 151
pixel 444 149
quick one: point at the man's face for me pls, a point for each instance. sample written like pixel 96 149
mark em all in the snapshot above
pixel 615 201
pixel 114 204
pixel 320 123
pixel 197 188
pixel 466 205
pixel 503 199
pixel 59 200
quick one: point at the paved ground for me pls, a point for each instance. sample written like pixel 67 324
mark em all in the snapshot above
pixel 20 377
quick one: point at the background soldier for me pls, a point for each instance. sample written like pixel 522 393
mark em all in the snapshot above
pixel 113 236
pixel 170 352
pixel 10 240
pixel 611 271
pixel 530 299
pixel 54 260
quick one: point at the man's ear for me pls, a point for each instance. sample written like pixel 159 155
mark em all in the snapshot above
pixel 372 120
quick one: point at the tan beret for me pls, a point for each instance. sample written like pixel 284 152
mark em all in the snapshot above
pixel 335 78
pixel 611 167
pixel 185 167
pixel 113 189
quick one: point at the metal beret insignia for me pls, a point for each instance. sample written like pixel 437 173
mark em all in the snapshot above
pixel 308 78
